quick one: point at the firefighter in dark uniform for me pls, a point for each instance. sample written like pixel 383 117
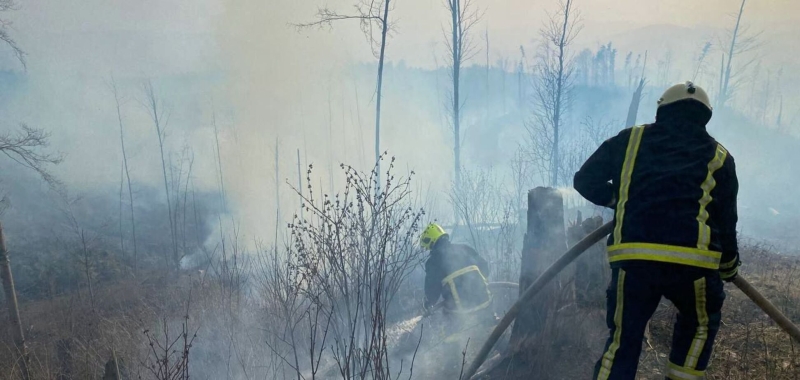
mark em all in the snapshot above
pixel 674 191
pixel 456 273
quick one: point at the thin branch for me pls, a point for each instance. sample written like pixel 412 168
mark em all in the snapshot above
pixel 5 6
pixel 23 147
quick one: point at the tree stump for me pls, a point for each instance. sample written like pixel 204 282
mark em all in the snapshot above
pixel 545 240
pixel 592 272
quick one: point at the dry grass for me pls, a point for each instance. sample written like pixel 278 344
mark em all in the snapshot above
pixel 68 339
pixel 749 345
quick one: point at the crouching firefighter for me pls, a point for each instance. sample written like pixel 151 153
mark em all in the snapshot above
pixel 674 190
pixel 456 273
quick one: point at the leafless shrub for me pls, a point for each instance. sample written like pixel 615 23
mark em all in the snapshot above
pixel 169 355
pixel 349 257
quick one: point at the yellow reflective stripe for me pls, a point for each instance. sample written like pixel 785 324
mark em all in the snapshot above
pixel 462 271
pixel 608 356
pixel 449 282
pixel 454 293
pixel 664 253
pixel 729 265
pixel 703 230
pixel 701 335
pixel 625 178
pixel 676 372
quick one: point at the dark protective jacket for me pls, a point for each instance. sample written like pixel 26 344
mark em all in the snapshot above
pixel 674 189
pixel 457 273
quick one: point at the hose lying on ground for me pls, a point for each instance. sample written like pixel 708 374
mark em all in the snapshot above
pixel 768 307
pixel 537 286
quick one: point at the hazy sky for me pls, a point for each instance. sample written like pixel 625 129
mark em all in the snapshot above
pixel 154 35
pixel 272 79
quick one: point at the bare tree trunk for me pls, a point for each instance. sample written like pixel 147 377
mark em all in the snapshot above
pixel 724 94
pixel 520 73
pixel 556 160
pixel 456 50
pixel 221 177
pixel 121 230
pixel 721 80
pixel 154 108
pixel 127 175
pixel 330 145
pixel 384 32
pixel 87 268
pixel 300 183
pixel 277 193
pixel 487 68
pixel 185 200
pixel 13 306
pixel 362 154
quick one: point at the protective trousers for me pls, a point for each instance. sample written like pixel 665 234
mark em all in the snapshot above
pixel 633 296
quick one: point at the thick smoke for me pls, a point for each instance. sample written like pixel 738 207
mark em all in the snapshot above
pixel 241 86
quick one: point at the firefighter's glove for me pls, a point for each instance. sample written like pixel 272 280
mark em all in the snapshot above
pixel 729 274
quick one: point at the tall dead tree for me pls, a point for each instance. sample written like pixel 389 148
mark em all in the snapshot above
pixel 220 175
pixel 488 68
pixel 633 109
pixel 552 88
pixel 741 41
pixel 460 48
pixel 300 183
pixel 330 139
pixel 160 119
pixel 373 18
pixel 277 192
pixel 520 75
pixel 127 171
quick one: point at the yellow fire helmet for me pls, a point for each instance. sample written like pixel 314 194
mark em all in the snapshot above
pixel 430 235
pixel 686 90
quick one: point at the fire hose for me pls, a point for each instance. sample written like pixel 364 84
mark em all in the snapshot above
pixel 573 253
